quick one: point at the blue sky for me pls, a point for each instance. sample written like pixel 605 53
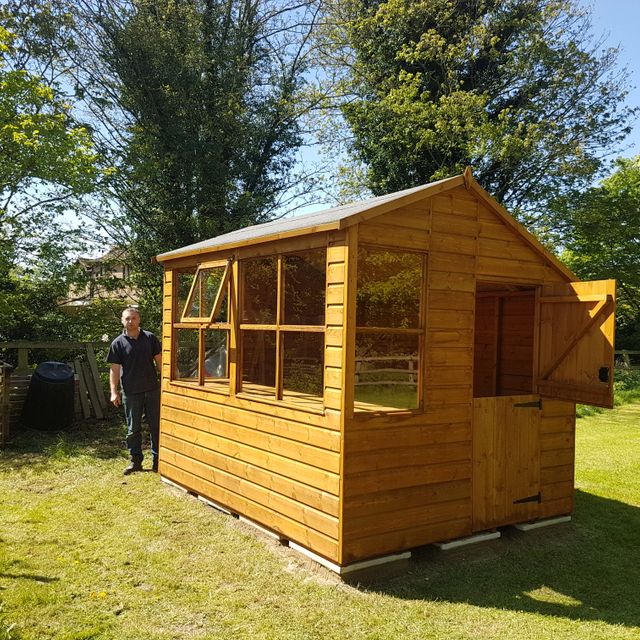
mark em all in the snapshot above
pixel 619 20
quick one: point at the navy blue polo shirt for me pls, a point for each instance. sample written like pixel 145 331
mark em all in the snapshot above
pixel 135 355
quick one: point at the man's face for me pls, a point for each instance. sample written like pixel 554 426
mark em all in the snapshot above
pixel 131 320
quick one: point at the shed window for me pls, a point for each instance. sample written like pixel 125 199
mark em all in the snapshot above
pixel 282 326
pixel 207 300
pixel 201 325
pixel 389 329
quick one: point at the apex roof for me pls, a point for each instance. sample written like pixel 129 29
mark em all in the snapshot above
pixel 325 220
pixel 346 215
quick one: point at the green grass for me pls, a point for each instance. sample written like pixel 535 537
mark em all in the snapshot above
pixel 626 389
pixel 87 553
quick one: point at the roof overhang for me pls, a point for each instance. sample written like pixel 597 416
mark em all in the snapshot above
pixel 342 217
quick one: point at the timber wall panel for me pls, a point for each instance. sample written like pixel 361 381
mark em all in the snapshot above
pixel 557 457
pixel 503 254
pixel 262 424
pixel 254 462
pixel 232 473
pixel 291 528
pixel 266 460
pixel 412 536
pixel 515 365
pixel 335 315
pixel 408 476
pixel 168 295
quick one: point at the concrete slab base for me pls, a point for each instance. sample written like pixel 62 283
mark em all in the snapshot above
pixel 352 568
pixel 465 542
pixel 260 528
pixel 538 524
pixel 173 484
pixel 214 505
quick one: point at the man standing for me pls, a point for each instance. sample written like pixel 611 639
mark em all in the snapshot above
pixel 135 358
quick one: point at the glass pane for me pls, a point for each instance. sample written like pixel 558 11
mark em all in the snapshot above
pixel 259 358
pixel 183 281
pixel 387 370
pixel 186 354
pixel 303 364
pixel 389 287
pixel 260 290
pixel 204 294
pixel 216 344
pixel 304 287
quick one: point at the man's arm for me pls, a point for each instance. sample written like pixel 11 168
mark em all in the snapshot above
pixel 158 359
pixel 114 383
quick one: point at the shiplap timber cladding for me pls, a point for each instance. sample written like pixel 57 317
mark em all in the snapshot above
pixel 351 484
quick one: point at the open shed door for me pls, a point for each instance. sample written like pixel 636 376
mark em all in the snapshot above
pixel 577 342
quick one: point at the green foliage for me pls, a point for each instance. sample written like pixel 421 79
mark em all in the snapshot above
pixel 211 118
pixel 41 143
pixel 514 89
pixel 194 104
pixel 627 380
pixel 601 230
pixel 389 288
pixel 39 140
pixel 47 159
pixel 626 390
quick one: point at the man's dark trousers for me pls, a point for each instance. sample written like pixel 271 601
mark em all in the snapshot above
pixel 135 404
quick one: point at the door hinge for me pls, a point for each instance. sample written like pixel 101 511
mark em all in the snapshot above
pixel 535 403
pixel 537 498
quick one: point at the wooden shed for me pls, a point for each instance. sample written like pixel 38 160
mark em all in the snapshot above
pixel 379 376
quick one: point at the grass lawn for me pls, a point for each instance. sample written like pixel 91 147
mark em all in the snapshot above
pixel 88 553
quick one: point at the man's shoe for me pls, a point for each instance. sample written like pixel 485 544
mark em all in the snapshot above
pixel 133 466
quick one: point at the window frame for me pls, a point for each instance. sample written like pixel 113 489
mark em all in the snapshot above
pixel 222 289
pixel 419 331
pixel 279 328
pixel 203 323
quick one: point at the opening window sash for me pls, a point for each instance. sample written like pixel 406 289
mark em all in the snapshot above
pixel 198 294
pixel 201 328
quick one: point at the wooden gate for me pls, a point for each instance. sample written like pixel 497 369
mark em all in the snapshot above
pixel 506 460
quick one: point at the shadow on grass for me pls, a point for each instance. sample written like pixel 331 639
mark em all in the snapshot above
pixel 100 439
pixel 586 570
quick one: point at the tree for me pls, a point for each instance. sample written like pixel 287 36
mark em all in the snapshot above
pixel 47 160
pixel 513 88
pixel 46 156
pixel 195 104
pixel 213 120
pixel 204 112
pixel 602 240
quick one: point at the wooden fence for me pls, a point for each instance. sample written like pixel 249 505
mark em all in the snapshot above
pixel 399 376
pixel 90 393
pixel 628 359
pixel 4 403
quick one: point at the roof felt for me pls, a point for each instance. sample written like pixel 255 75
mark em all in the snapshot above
pixel 327 218
pixel 343 216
